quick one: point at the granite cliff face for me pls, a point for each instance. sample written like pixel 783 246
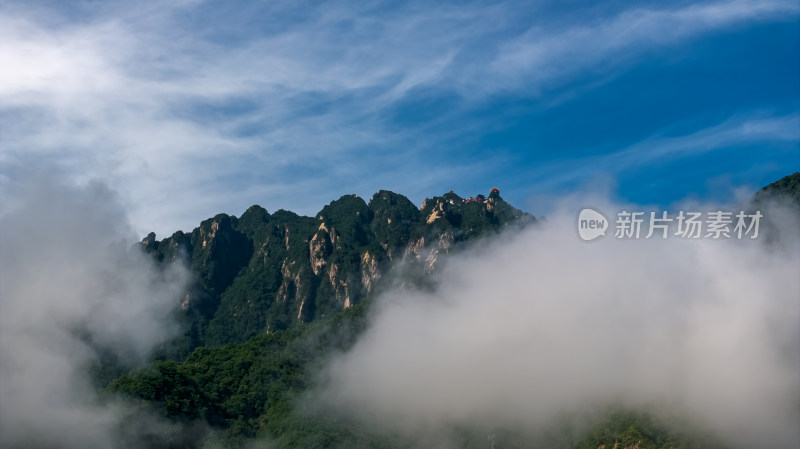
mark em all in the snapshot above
pixel 262 272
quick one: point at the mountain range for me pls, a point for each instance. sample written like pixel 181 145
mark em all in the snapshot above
pixel 263 272
pixel 274 294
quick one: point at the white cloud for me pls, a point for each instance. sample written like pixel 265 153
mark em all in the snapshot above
pixel 661 149
pixel 69 290
pixel 542 56
pixel 132 94
pixel 539 326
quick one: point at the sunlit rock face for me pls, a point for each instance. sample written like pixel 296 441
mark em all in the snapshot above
pixel 263 272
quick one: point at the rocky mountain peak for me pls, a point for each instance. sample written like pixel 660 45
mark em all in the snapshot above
pixel 271 271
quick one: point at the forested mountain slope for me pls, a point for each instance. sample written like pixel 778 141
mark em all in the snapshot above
pixel 277 294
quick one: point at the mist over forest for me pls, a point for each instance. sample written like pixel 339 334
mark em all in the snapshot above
pixel 463 323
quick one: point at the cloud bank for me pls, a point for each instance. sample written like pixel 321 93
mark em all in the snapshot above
pixel 69 288
pixel 540 325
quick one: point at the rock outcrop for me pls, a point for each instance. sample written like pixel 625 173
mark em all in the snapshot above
pixel 265 271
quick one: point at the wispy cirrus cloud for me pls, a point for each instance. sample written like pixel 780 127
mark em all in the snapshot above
pixel 663 149
pixel 184 107
pixel 542 55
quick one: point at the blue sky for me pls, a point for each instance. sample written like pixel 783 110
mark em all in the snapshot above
pixel 190 108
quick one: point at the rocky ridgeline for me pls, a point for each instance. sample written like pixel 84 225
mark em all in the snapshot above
pixel 262 272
